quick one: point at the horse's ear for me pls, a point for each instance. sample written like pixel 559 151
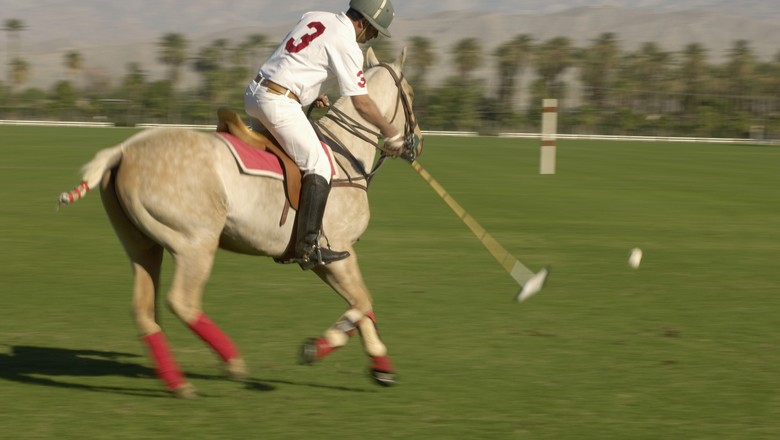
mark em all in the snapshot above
pixel 401 59
pixel 371 58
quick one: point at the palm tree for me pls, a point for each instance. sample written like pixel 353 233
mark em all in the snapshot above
pixel 512 58
pixel 209 58
pixel 421 58
pixel 774 83
pixel 553 57
pixel 654 68
pixel 255 46
pixel 210 63
pixel 134 80
pixel 74 62
pixel 771 89
pixel 693 73
pixel 173 53
pixel 598 67
pixel 740 68
pixel 13 27
pixel 20 72
pixel 468 57
pixel 131 94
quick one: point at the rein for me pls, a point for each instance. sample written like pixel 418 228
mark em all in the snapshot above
pixel 355 128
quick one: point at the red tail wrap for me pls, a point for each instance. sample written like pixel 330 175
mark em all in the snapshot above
pixel 77 190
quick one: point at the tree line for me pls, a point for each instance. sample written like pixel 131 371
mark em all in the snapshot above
pixel 601 87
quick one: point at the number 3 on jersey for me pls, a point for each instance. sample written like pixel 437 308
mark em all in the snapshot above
pixel 361 80
pixel 319 29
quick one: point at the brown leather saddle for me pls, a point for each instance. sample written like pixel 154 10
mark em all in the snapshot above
pixel 230 122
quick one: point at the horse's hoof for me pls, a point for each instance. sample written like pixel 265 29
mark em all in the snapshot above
pixel 185 391
pixel 308 353
pixel 383 378
pixel 236 369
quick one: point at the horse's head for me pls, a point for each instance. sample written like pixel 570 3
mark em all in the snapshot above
pixel 395 96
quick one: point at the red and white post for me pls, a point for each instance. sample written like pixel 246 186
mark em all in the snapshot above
pixel 549 130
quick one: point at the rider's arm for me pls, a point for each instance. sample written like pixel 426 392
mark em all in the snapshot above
pixel 367 109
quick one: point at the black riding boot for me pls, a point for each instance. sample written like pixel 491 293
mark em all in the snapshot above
pixel 311 207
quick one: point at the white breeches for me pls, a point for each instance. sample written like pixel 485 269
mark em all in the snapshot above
pixel 284 118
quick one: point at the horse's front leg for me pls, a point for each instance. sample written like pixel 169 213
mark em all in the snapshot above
pixel 345 278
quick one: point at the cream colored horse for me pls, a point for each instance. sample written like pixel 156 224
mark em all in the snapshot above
pixel 181 191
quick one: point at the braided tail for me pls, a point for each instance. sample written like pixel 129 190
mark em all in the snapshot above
pixel 91 174
pixel 76 193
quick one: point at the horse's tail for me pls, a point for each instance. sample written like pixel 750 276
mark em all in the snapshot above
pixel 92 172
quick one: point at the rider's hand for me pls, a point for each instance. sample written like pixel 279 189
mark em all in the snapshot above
pixel 394 145
pixel 322 102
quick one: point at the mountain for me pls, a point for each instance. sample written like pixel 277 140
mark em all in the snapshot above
pixel 111 34
pixel 86 22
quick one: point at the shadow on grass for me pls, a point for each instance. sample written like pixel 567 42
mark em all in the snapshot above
pixel 254 385
pixel 41 366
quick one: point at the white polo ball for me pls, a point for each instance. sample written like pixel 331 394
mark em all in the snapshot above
pixel 635 258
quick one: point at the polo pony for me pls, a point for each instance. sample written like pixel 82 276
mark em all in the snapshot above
pixel 182 191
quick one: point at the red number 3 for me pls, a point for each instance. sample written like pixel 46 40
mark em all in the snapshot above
pixel 361 80
pixel 319 29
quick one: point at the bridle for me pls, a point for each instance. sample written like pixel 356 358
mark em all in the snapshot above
pixel 353 127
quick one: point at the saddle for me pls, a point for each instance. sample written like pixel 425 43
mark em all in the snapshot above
pixel 230 122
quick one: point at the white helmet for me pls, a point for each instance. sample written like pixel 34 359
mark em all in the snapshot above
pixel 379 13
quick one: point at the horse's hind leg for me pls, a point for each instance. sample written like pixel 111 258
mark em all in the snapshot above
pixel 193 265
pixel 192 269
pixel 146 258
pixel 345 278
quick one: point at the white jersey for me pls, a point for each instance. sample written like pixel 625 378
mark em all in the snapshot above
pixel 321 43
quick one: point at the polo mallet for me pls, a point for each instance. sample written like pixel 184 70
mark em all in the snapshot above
pixel 530 283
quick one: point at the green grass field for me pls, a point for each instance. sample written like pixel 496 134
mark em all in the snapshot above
pixel 685 347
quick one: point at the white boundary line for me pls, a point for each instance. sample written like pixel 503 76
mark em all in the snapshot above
pixel 56 123
pixel 604 137
pixel 598 137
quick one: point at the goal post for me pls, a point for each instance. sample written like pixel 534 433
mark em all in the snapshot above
pixel 549 130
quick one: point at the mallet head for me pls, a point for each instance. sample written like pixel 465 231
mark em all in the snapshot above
pixel 533 285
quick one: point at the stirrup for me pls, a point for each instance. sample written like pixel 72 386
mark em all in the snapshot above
pixel 316 255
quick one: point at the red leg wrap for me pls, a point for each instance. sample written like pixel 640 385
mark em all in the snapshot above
pixel 212 335
pixel 323 348
pixel 382 363
pixel 165 364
